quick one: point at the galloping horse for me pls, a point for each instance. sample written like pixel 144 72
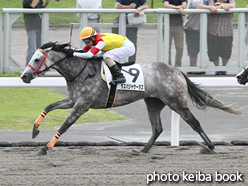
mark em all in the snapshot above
pixel 164 85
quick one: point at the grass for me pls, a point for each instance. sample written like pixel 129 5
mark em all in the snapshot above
pixel 20 107
pixel 10 74
pixel 106 18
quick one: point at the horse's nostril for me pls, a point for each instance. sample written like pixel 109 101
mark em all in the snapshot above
pixel 238 77
pixel 23 77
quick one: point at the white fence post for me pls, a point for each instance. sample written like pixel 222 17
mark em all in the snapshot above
pixel 241 44
pixel 1 40
pixel 159 36
pixel 45 28
pixel 83 23
pixel 166 38
pixel 122 24
pixel 203 39
pixel 175 128
pixel 6 42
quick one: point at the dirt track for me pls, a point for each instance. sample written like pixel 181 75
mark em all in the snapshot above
pixel 119 165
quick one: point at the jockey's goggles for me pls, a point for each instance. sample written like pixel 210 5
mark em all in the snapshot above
pixel 87 40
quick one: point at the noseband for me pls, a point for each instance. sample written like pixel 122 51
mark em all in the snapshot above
pixel 37 70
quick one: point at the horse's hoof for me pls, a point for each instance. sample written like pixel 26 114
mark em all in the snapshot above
pixel 42 151
pixel 144 151
pixel 211 146
pixel 206 150
pixel 35 132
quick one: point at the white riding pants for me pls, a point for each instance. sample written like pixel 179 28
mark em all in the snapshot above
pixel 126 50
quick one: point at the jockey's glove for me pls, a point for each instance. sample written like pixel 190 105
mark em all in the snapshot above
pixel 69 53
pixel 80 50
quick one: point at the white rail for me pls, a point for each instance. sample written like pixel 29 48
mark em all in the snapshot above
pixel 60 82
pixel 11 14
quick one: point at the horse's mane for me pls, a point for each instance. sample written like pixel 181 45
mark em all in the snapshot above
pixel 55 46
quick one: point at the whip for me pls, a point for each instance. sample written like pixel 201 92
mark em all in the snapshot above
pixel 71 35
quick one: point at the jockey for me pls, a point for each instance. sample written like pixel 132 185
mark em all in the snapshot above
pixel 111 47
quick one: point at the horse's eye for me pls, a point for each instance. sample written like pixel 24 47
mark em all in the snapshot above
pixel 36 60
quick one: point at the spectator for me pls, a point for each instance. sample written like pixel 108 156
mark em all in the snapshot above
pixel 176 28
pixel 33 26
pixel 90 4
pixel 131 33
pixel 220 33
pixel 192 30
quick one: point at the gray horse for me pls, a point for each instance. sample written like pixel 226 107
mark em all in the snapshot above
pixel 164 85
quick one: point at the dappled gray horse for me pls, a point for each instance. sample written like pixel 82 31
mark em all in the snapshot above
pixel 164 85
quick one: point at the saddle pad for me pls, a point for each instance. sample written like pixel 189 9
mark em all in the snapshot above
pixel 133 74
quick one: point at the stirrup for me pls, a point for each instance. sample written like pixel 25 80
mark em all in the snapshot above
pixel 113 82
pixel 119 81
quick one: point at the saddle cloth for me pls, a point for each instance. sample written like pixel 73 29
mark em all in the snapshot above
pixel 133 74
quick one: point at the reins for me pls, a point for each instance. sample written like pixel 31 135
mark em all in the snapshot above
pixel 89 75
pixel 48 68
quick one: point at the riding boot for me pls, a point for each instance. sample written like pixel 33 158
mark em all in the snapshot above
pixel 117 75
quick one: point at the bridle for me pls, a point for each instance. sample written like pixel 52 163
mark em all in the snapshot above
pixel 38 72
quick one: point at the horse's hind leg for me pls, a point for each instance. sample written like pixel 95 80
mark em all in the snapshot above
pixel 63 104
pixel 195 124
pixel 154 107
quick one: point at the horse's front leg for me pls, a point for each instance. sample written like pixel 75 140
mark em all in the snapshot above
pixel 76 112
pixel 63 104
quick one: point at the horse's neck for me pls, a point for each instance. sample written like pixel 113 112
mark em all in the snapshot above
pixel 73 67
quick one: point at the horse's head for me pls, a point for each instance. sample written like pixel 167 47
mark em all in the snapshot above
pixel 39 63
pixel 242 77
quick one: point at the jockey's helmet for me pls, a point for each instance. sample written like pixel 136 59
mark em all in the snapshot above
pixel 87 32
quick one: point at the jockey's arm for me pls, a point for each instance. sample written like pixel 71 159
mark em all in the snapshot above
pixel 90 53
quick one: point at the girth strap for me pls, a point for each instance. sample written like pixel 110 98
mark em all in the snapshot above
pixel 111 96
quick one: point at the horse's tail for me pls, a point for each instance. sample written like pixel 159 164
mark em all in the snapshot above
pixel 202 99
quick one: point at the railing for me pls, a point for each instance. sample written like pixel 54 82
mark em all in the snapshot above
pixel 11 15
